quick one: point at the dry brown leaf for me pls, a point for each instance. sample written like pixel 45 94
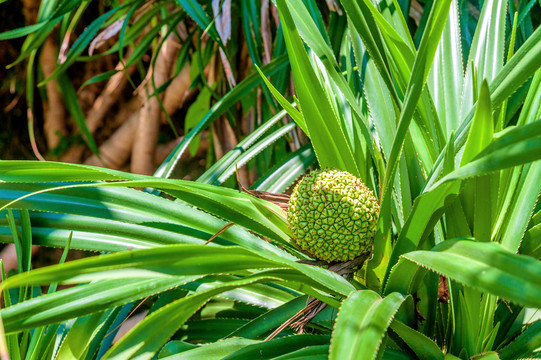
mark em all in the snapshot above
pixel 227 68
pixel 222 19
pixel 275 14
pixel 266 32
pixel 333 6
pixel 105 35
pixel 115 28
pixel 63 52
pixel 416 12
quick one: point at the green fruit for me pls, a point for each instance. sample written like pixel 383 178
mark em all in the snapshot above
pixel 332 215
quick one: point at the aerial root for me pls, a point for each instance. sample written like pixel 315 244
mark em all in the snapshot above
pixel 315 306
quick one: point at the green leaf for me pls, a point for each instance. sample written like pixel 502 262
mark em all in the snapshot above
pixel 531 244
pixel 260 295
pixel 491 355
pixel 324 127
pixel 42 171
pixel 445 80
pixel 198 14
pixel 425 213
pixel 248 84
pixel 339 93
pixel 213 351
pixel 314 35
pixel 531 110
pixel 511 147
pixel 477 195
pixel 146 338
pixel 138 219
pixel 110 327
pixel 487 267
pixel 520 68
pixel 284 174
pixel 235 206
pixel 315 352
pixel 98 78
pixel 175 347
pixel 294 113
pixel 76 343
pixel 194 114
pixel 72 103
pixel 180 260
pixel 276 347
pixel 526 199
pixel 424 347
pixel 362 20
pixel 398 43
pixel 419 73
pixel 145 43
pixel 520 182
pixel 270 320
pixel 426 126
pixel 22 31
pixel 252 34
pixel 451 357
pixel 482 128
pixel 255 150
pixel 240 208
pixel 525 344
pixel 361 324
pixel 405 278
pixel 22 240
pixel 84 300
pixel 378 98
pixel 83 40
pixel 487 50
pixel 232 157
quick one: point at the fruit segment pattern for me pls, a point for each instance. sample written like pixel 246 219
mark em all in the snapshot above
pixel 333 215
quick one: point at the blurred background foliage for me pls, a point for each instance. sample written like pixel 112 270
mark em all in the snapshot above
pixel 103 75
pixel 83 82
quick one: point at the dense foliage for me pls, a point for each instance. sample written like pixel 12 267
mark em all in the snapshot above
pixel 443 125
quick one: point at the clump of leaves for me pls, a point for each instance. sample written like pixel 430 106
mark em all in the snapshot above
pixel 452 150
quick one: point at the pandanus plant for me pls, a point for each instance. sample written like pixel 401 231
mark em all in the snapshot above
pixel 443 127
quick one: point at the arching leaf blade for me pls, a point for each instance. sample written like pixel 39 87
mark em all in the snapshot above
pixel 487 267
pixel 361 324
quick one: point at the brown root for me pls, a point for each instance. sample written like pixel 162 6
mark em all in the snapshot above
pixel 100 109
pixel 117 149
pixel 266 33
pixel 146 135
pixel 178 91
pixel 30 10
pixel 54 113
pixel 224 140
pixel 108 97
